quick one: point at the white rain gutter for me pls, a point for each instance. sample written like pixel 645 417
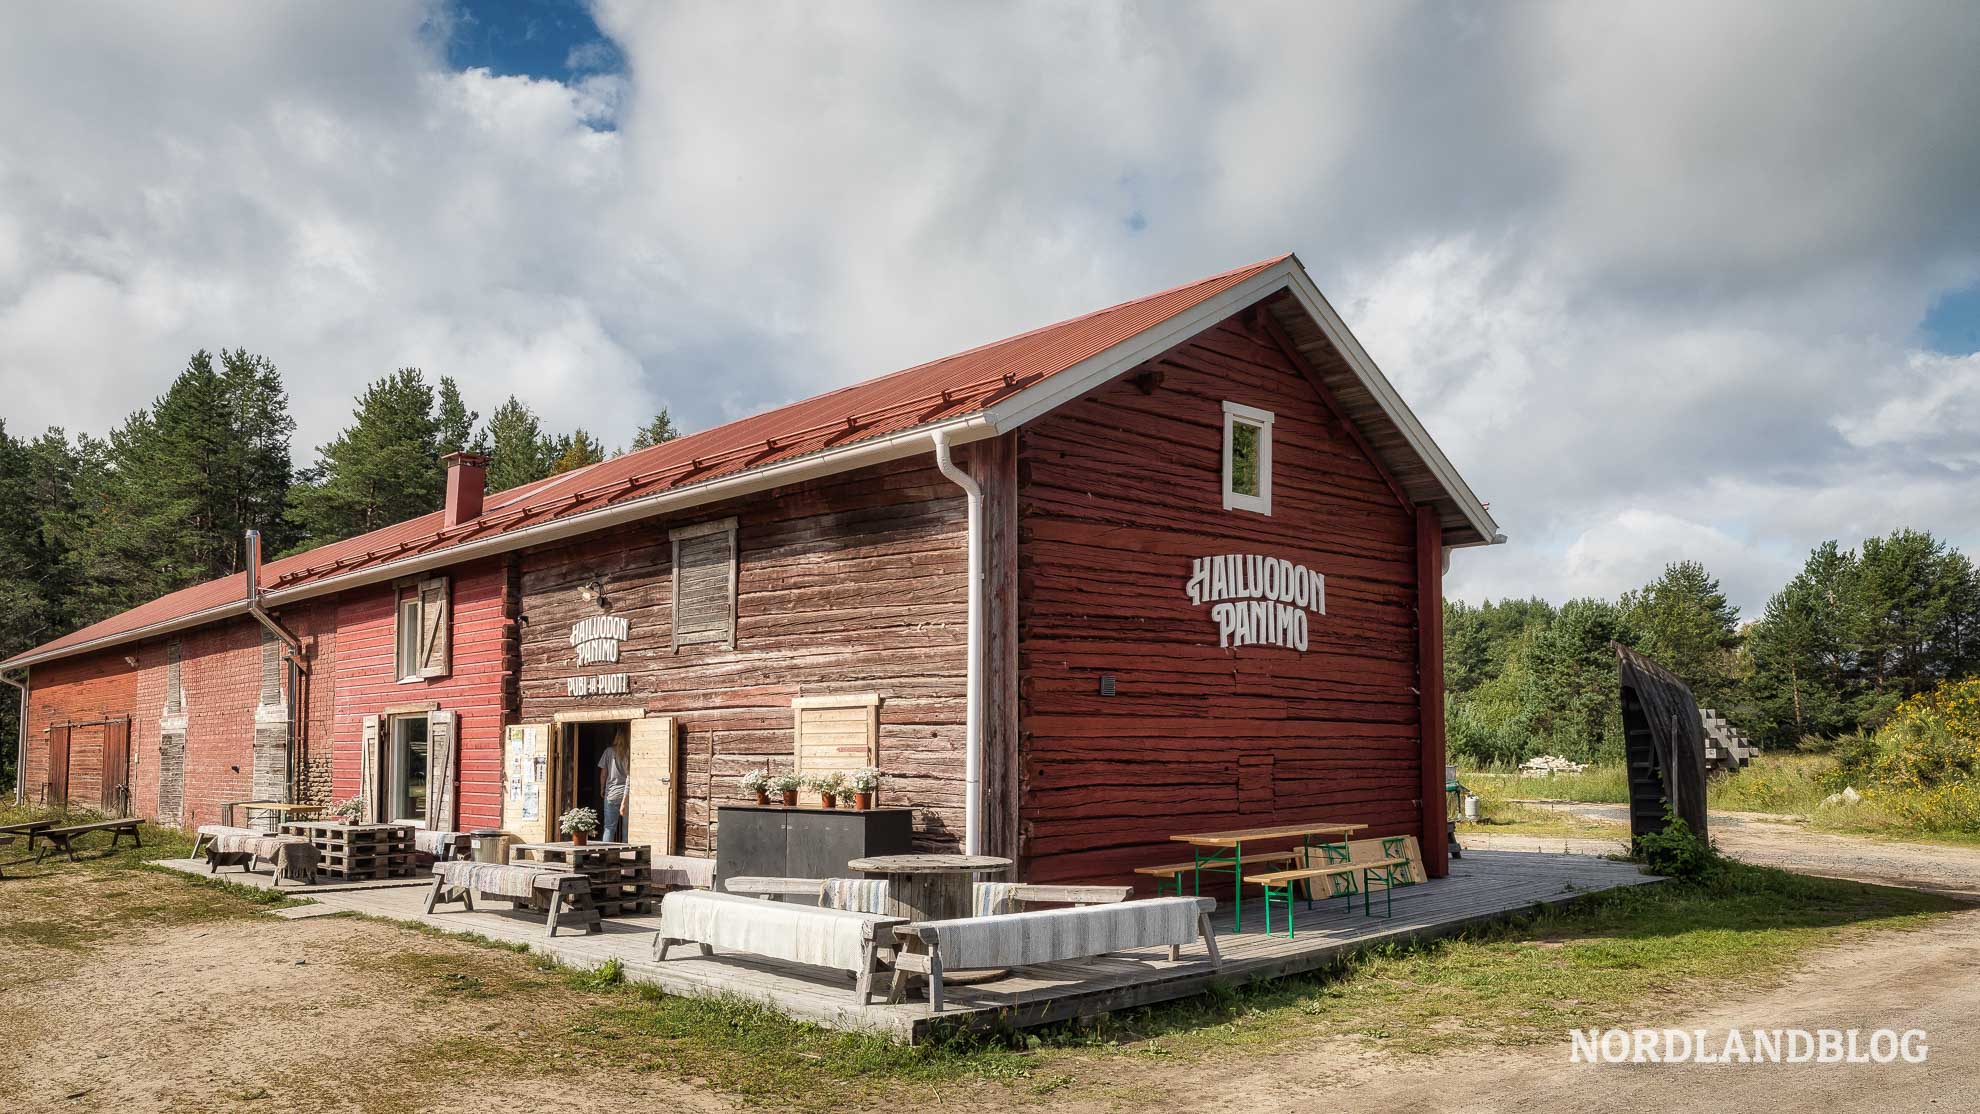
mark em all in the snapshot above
pixel 20 742
pixel 973 670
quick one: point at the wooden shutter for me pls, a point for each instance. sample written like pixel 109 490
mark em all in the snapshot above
pixel 653 769
pixel 705 584
pixel 57 792
pixel 436 623
pixel 117 767
pixel 836 732
pixel 442 762
pixel 369 786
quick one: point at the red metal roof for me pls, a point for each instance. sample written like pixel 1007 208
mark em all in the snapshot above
pixel 940 390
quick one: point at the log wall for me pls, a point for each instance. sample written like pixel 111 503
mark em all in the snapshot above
pixel 851 584
pixel 1118 491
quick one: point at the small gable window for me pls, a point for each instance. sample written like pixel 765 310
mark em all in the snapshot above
pixel 1247 459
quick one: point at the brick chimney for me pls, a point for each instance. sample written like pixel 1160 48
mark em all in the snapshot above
pixel 467 482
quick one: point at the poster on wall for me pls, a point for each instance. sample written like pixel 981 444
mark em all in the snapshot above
pixel 1257 600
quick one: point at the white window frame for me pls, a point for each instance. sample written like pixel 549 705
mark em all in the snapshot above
pixel 408 616
pixel 396 750
pixel 1261 420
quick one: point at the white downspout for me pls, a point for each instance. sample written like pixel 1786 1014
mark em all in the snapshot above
pixel 973 674
pixel 20 744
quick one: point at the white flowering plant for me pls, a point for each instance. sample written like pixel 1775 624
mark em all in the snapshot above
pixel 580 819
pixel 785 783
pixel 863 780
pixel 756 781
pixel 832 784
pixel 348 811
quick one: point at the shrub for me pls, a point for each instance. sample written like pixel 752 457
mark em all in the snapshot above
pixel 1676 852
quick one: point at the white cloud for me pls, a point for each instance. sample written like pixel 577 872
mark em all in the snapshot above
pixel 1648 275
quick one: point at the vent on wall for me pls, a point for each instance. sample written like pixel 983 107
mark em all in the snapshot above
pixel 1106 684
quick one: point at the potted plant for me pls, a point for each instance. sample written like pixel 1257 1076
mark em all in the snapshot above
pixel 828 787
pixel 863 782
pixel 757 782
pixel 350 812
pixel 579 823
pixel 786 787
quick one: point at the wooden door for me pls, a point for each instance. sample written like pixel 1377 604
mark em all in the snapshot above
pixel 526 801
pixel 117 767
pixel 57 792
pixel 653 776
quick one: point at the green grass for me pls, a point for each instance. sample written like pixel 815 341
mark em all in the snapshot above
pixel 1637 956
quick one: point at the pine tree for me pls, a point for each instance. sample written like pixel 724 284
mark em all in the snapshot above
pixel 515 447
pixel 456 421
pixel 574 451
pixel 259 470
pixel 1689 628
pixel 381 470
pixel 656 432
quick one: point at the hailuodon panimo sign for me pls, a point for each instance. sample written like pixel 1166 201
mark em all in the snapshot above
pixel 1257 600
pixel 595 640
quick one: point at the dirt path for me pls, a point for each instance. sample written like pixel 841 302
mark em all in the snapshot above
pixel 263 1014
pixel 1914 980
pixel 1765 839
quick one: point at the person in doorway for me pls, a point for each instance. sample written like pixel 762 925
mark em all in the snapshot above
pixel 612 780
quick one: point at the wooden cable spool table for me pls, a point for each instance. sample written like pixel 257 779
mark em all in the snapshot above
pixel 934 888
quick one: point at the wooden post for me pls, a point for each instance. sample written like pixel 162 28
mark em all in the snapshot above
pixel 1430 686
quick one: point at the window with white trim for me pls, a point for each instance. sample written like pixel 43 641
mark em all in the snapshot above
pixel 423 638
pixel 1247 459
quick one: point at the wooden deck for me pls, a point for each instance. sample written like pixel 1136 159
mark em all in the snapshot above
pixel 1482 886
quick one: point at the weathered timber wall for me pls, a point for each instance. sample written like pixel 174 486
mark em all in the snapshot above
pixel 852 584
pixel 1118 492
pixel 367 684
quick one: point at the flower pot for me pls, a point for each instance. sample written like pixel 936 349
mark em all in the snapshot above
pixel 863 800
pixel 762 797
pixel 790 798
pixel 579 839
pixel 826 800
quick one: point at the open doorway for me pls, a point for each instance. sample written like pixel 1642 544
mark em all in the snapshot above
pixel 581 782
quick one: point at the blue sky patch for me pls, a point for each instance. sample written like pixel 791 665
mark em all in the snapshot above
pixel 554 39
pixel 1952 325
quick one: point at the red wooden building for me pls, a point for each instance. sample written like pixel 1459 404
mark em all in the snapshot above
pixel 1170 566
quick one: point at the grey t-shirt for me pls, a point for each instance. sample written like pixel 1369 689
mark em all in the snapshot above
pixel 615 773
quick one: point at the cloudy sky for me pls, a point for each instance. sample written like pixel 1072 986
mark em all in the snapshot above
pixel 1664 279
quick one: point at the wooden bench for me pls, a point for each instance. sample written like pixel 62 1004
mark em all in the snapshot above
pixel 205 834
pixel 775 888
pixel 1049 936
pixel 63 839
pixel 834 938
pixel 460 880
pixel 1279 884
pixel 30 828
pixel 292 858
pixel 1170 874
pixel 4 841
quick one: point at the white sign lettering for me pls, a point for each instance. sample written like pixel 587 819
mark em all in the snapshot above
pixel 595 640
pixel 1257 600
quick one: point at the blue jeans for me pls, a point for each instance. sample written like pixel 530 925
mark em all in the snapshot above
pixel 615 821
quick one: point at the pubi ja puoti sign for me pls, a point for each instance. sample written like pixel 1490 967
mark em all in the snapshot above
pixel 1257 600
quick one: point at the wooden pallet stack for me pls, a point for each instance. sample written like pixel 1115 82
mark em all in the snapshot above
pixel 621 873
pixel 359 852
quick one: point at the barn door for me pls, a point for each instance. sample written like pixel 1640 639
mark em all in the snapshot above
pixel 652 776
pixel 57 792
pixel 117 767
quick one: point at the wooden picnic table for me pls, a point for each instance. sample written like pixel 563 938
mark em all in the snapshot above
pixel 284 810
pixel 31 828
pixel 1225 851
